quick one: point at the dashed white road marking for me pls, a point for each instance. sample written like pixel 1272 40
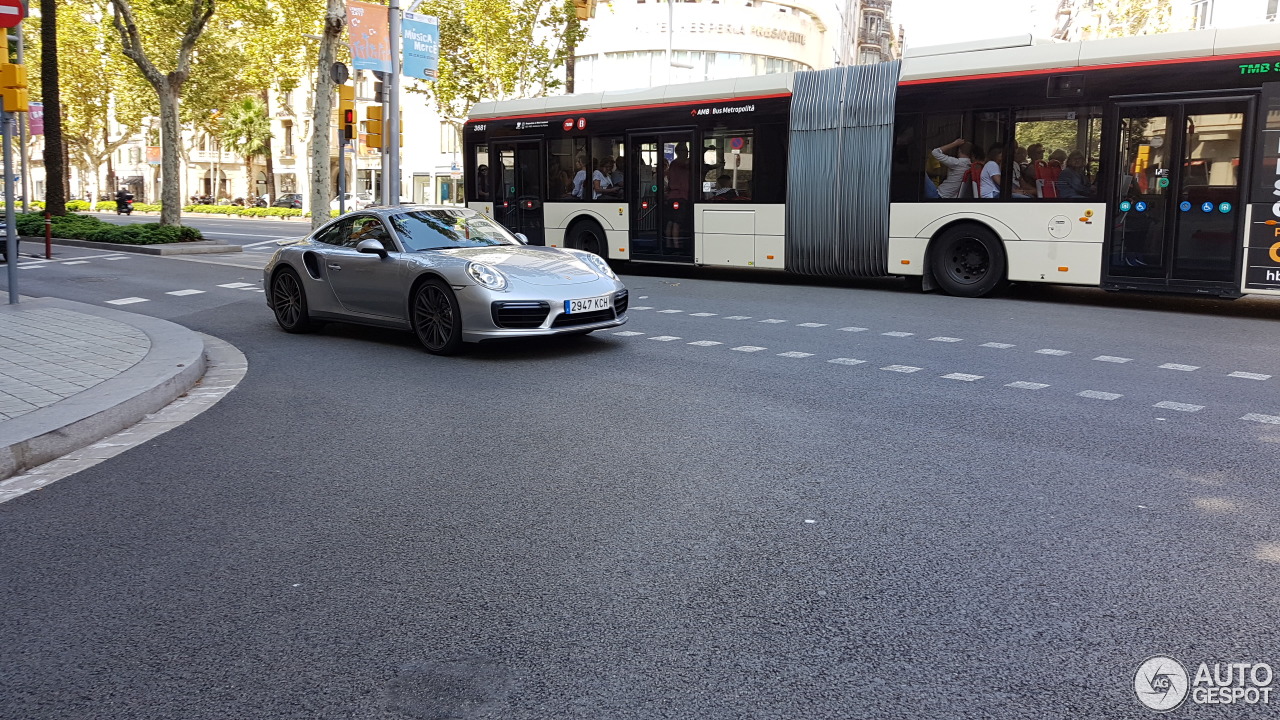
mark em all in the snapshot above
pixel 180 293
pixel 901 368
pixel 705 343
pixel 1176 366
pixel 640 307
pixel 664 338
pixel 795 354
pixel 944 339
pixel 961 376
pixel 236 285
pixel 1180 407
pixel 628 333
pixel 897 333
pixel 853 329
pixel 127 301
pixel 702 314
pixel 1099 395
pixel 1268 419
pixel 76 262
pixel 643 297
pixel 116 257
pixel 773 321
pixel 1023 385
pixel 1051 351
pixel 738 317
pixel 846 361
pixel 812 325
pixel 670 311
pixel 1249 375
pixel 998 346
pixel 1112 359
pixel 31 266
pixel 749 348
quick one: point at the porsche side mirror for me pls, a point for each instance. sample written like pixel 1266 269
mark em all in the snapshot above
pixel 372 247
pixel 524 239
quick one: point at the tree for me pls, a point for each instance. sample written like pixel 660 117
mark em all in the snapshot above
pixel 1123 18
pixel 499 49
pixel 55 170
pixel 246 131
pixel 174 32
pixel 335 19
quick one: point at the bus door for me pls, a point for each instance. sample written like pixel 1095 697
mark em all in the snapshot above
pixel 660 194
pixel 516 170
pixel 1177 205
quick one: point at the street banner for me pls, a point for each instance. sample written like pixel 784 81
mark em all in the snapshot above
pixel 421 46
pixel 369 35
pixel 153 154
pixel 35 118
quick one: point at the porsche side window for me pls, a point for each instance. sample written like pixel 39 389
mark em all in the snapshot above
pixel 335 234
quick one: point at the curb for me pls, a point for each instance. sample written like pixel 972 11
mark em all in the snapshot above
pixel 173 365
pixel 199 247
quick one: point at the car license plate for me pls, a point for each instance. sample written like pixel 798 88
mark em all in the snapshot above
pixel 603 302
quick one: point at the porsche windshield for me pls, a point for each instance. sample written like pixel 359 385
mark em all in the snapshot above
pixel 436 229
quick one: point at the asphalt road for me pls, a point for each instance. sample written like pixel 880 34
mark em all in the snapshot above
pixel 899 505
pixel 233 230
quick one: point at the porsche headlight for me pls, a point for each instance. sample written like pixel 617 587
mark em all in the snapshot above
pixel 487 276
pixel 598 264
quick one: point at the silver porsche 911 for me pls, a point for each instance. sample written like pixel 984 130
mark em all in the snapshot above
pixel 449 274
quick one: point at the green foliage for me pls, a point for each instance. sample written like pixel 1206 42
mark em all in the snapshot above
pixel 78 205
pixel 1122 18
pixel 105 206
pixel 246 128
pixel 146 207
pixel 498 49
pixel 245 211
pixel 85 227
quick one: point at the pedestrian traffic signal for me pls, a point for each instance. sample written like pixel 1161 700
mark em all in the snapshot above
pixel 13 87
pixel 373 127
pixel 347 110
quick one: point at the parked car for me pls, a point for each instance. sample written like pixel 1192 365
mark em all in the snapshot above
pixel 354 201
pixel 289 200
pixel 448 274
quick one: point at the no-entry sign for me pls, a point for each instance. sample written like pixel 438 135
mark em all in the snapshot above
pixel 11 13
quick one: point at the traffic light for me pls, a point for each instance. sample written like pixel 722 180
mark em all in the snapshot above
pixel 379 92
pixel 13 87
pixel 347 110
pixel 373 127
pixel 584 9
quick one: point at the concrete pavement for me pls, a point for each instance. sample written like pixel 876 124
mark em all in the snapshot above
pixel 72 374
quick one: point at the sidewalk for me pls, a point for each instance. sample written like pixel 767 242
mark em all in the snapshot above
pixel 72 374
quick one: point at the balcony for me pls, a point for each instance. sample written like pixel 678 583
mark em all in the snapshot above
pixel 877 6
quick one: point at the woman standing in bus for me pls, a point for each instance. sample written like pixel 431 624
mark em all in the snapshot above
pixel 956 166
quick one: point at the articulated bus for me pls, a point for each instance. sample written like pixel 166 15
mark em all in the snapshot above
pixel 1145 163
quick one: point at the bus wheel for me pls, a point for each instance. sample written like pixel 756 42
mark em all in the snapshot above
pixel 968 261
pixel 587 235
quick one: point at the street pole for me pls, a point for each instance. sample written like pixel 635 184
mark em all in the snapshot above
pixel 22 132
pixel 342 172
pixel 10 222
pixel 391 140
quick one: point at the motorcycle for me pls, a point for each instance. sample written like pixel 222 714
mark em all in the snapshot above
pixel 124 205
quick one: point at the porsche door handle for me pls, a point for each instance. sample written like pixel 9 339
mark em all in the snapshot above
pixel 334 266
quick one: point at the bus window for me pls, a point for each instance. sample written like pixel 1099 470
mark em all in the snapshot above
pixel 567 168
pixel 1056 155
pixel 607 169
pixel 948 155
pixel 727 167
pixel 482 188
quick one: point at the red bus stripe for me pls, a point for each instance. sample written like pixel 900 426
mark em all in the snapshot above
pixel 575 113
pixel 1089 68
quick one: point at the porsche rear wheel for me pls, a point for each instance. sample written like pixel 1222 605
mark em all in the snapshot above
pixel 437 321
pixel 289 302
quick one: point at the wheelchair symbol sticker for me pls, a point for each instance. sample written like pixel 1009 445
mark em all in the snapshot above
pixel 1207 207
pixel 1140 206
pixel 1224 207
pixel 1125 206
pixel 1185 206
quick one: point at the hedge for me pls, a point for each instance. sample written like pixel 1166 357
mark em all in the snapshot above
pixel 84 227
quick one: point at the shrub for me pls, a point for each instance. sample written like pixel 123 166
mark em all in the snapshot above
pixel 84 227
pixel 105 206
pixel 146 207
pixel 77 205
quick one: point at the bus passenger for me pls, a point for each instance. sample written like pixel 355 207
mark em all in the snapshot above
pixel 956 166
pixel 1072 182
pixel 990 178
pixel 601 183
pixel 724 190
pixel 482 182
pixel 580 175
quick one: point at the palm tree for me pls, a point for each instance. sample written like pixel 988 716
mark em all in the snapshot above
pixel 246 131
pixel 55 195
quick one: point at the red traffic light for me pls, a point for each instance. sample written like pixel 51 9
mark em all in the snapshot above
pixel 348 116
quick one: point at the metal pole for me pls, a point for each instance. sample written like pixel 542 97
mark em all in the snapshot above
pixel 342 173
pixel 671 31
pixel 392 138
pixel 10 222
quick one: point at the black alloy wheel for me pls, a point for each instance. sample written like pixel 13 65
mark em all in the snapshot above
pixel 436 318
pixel 588 236
pixel 289 301
pixel 968 261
